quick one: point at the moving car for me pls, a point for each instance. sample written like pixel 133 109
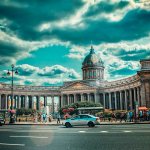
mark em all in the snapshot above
pixel 82 119
pixel 2 120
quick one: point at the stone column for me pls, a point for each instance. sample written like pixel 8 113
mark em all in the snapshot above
pixel 62 100
pixel 135 95
pixel 130 97
pixel 74 97
pixel 68 99
pixel 32 100
pixel 88 95
pixel 115 100
pixel 138 95
pixel 18 103
pixel 82 97
pixel 6 102
pixel 126 106
pixel 59 101
pixel 38 102
pixel 95 96
pixel 104 100
pixel 53 109
pixel 143 94
pixel 14 101
pixel 110 107
pixel 25 102
pixel 121 100
pixel 0 102
pixel 45 101
pixel 15 104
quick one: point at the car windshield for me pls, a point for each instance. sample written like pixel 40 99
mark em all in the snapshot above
pixel 84 116
pixel 76 117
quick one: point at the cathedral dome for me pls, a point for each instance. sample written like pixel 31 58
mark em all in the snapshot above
pixel 92 59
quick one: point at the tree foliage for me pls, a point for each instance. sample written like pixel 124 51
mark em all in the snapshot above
pixel 24 111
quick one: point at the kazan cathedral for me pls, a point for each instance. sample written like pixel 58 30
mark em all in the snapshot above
pixel 116 95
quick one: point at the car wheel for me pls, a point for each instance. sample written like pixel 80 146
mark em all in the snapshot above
pixel 91 124
pixel 68 125
pixel 0 124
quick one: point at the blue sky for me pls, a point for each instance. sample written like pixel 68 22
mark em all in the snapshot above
pixel 48 43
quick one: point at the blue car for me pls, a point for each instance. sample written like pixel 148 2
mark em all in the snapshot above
pixel 82 119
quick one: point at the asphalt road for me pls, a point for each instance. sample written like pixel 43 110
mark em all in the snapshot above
pixel 106 137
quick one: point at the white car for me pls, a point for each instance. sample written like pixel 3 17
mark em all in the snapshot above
pixel 82 119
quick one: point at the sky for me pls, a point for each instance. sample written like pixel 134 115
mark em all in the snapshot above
pixel 47 40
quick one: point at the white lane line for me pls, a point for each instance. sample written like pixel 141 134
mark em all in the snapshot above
pixel 12 144
pixel 36 131
pixel 37 137
pixel 104 131
pixel 82 131
pixel 127 131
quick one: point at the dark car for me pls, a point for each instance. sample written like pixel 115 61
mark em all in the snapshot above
pixel 2 120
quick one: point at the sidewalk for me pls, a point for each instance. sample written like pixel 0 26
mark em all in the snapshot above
pixel 54 122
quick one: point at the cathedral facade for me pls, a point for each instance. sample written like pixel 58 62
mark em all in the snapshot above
pixel 116 95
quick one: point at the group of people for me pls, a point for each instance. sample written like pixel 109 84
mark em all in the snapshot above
pixel 144 115
pixel 42 118
pixel 129 116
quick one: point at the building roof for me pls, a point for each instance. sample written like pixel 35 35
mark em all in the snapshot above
pixel 92 59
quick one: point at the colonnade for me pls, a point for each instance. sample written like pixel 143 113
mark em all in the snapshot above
pixel 25 101
pixel 118 100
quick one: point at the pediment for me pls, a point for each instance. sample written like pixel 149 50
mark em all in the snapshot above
pixel 77 86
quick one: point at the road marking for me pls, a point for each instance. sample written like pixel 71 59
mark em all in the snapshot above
pixel 12 144
pixel 37 137
pixel 35 131
pixel 104 131
pixel 81 131
pixel 127 131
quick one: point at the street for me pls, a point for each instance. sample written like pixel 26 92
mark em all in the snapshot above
pixel 103 137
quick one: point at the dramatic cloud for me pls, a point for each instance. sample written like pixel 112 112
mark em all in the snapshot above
pixel 32 75
pixel 105 7
pixel 105 31
pixel 119 30
pixel 27 70
pixel 58 71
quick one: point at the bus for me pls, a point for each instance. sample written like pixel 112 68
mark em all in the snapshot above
pixel 90 110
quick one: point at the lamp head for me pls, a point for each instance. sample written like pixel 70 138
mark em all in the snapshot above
pixel 16 72
pixel 8 73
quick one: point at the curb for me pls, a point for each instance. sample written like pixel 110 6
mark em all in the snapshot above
pixel 33 124
pixel 37 124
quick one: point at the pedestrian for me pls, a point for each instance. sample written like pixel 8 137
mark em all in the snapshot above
pixel 113 117
pixel 131 116
pixel 148 113
pixel 44 117
pixel 141 115
pixel 128 116
pixel 58 118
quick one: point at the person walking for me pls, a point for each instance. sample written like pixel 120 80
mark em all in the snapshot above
pixel 44 117
pixel 58 118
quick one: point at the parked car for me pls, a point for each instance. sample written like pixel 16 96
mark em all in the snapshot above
pixel 82 119
pixel 2 120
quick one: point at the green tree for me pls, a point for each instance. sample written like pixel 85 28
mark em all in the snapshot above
pixel 24 111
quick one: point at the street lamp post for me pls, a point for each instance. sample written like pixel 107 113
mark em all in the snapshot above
pixel 11 72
